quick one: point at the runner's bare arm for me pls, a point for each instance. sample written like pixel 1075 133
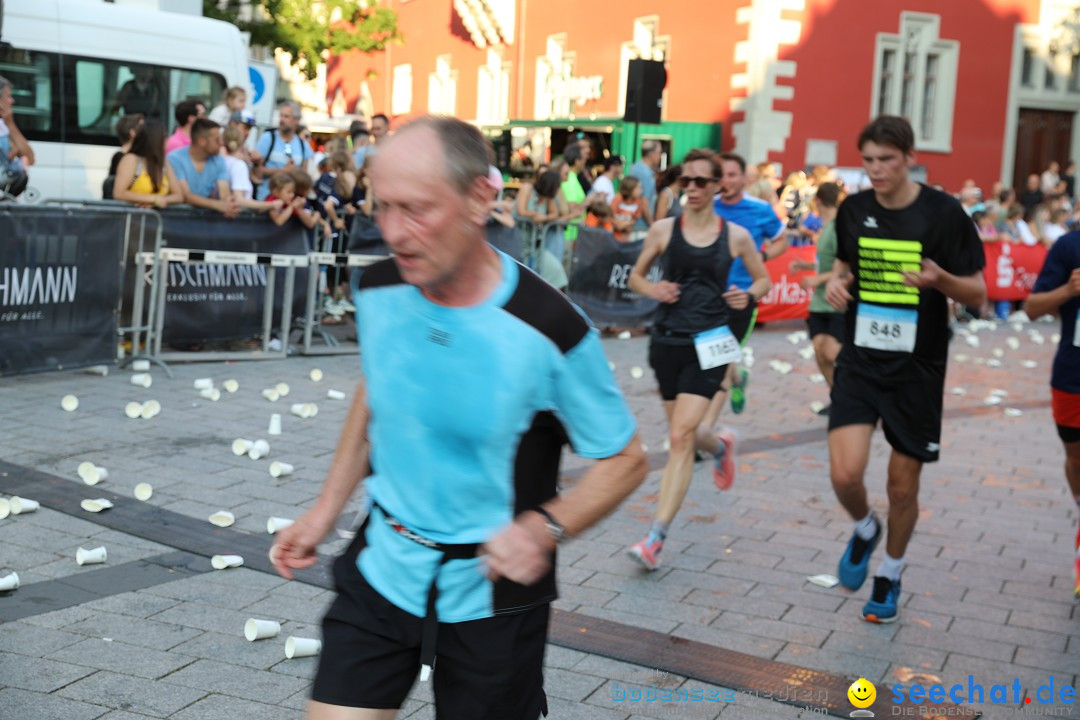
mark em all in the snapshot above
pixel 655 243
pixel 744 245
pixel 1047 303
pixel 836 290
pixel 965 289
pixel 294 547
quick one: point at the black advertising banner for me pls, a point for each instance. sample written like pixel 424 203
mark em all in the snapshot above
pixel 211 302
pixel 600 280
pixel 60 287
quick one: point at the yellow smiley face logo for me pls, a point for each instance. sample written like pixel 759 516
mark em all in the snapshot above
pixel 862 693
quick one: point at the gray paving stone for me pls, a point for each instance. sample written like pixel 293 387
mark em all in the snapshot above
pixel 1004 633
pixel 956 643
pixel 655 623
pixel 119 657
pixel 635 699
pixel 922 658
pixel 290 608
pixel 122 715
pixel 123 692
pixel 563 658
pixel 235 649
pixel 570 685
pixel 149 633
pixel 754 645
pixel 854 666
pixel 39 674
pixel 559 709
pixel 24 705
pixel 191 615
pixel 207 590
pixel 221 707
pixel 235 681
pixel 24 639
pixel 60 618
pixel 763 627
pixel 140 604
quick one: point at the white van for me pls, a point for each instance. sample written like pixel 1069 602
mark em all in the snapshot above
pixel 69 60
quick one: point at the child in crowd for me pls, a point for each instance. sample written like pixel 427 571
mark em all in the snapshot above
pixel 234 100
pixel 600 215
pixel 985 224
pixel 283 188
pixel 626 208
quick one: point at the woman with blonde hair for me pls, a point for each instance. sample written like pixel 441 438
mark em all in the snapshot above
pixel 240 172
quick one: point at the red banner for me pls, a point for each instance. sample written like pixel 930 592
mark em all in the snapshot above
pixel 1011 269
pixel 786 300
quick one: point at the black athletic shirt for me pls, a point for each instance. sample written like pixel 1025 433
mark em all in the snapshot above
pixel 702 275
pixel 879 244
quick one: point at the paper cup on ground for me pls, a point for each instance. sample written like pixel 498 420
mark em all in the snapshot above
pixel 315 375
pixel 222 518
pixel 222 562
pixel 296 647
pixel 143 492
pixel 636 372
pixel 259 450
pixel 282 389
pixel 91 557
pixel 141 366
pixel 299 410
pixel 133 410
pixel 275 425
pixel 274 524
pixel 261 629
pixel 230 386
pixel 271 394
pixel 211 394
pixel 21 506
pixel 100 370
pixel 69 403
pixel 150 409
pixel 280 469
pixel 204 383
pixel 143 380
pixel 95 506
pixel 311 410
pixel 92 474
pixel 5 508
pixel 9 582
pixel 241 446
pixel 335 394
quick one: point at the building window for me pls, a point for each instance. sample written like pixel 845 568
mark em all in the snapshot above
pixel 442 87
pixel 493 91
pixel 1049 78
pixel 915 77
pixel 1074 74
pixel 1027 69
pixel 401 92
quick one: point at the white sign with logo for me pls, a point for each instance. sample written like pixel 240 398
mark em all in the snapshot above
pixel 578 90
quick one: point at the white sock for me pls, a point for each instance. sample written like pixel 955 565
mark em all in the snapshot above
pixel 866 527
pixel 890 567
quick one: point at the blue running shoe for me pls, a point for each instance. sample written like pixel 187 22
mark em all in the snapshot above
pixel 883 605
pixel 855 563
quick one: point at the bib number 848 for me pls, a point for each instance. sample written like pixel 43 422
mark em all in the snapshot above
pixel 885 330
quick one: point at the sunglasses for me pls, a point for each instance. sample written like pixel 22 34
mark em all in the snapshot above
pixel 685 181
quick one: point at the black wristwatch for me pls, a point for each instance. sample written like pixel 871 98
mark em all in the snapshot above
pixel 554 527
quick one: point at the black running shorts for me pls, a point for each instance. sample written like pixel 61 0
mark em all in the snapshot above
pixel 828 323
pixel 742 322
pixel 910 412
pixel 678 371
pixel 489 669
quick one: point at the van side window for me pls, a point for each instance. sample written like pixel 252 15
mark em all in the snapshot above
pixel 36 91
pixel 104 90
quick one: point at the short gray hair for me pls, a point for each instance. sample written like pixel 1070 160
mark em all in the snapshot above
pixel 291 104
pixel 5 83
pixel 465 149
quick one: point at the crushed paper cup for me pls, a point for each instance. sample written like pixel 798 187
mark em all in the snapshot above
pixel 1055 338
pixel 273 524
pixel 998 392
pixel 817 378
pixel 5 508
pixel 143 492
pixel 1013 343
pixel 222 518
pixel 96 506
pixel 299 410
pixel 998 353
pixel 223 562
pixel 92 474
pixel 261 629
pixel 259 449
pixel 624 335
pixel 150 409
pixel 958 391
pixel 143 380
pixel 1013 412
pixel 282 389
pixel 825 581
pixel 1018 327
pixel 807 352
pixel 204 383
pixel 817 406
pixel 980 361
pixel 69 403
pixel 296 647
pixel 335 394
pixel 611 366
pixel 1030 364
pixel 96 556
pixel 211 394
pixel 21 506
pixel 972 340
pixel 101 370
pixel 280 469
pixel 991 400
pixel 316 375
pixel 636 372
pixel 1038 338
pixel 993 362
pixel 960 357
pixel 271 394
pixel 798 336
pixel 9 582
pixel 230 386
pixel 748 360
pixel 133 410
pixel 240 446
pixel 140 365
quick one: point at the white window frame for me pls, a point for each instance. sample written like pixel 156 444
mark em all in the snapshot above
pixel 919 38
pixel 442 87
pixel 493 90
pixel 401 90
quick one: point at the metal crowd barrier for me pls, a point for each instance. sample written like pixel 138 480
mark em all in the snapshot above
pixel 313 324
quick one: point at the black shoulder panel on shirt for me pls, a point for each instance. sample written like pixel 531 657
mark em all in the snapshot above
pixel 540 305
pixel 381 274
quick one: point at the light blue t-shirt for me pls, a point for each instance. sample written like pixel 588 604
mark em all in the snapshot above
pixel 296 148
pixel 645 174
pixel 468 409
pixel 759 219
pixel 201 183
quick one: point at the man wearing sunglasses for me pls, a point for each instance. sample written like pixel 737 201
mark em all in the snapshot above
pixel 692 339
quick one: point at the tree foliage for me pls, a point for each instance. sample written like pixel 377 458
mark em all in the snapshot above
pixel 306 29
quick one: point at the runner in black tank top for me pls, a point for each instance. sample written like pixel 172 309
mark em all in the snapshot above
pixel 691 342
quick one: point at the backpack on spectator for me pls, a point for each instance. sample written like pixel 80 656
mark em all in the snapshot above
pixel 304 147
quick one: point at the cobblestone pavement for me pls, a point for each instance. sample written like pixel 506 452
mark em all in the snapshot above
pixel 987 592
